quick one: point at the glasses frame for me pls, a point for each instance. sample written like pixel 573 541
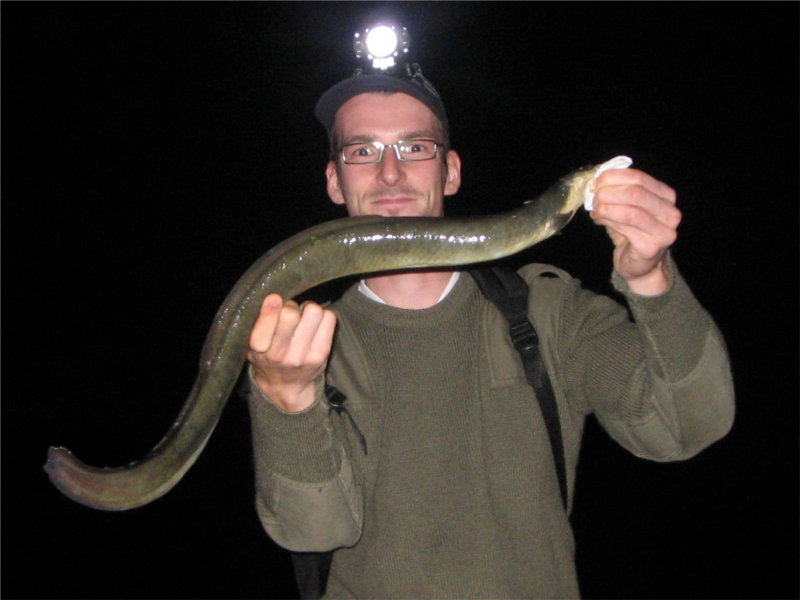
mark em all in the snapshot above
pixel 381 147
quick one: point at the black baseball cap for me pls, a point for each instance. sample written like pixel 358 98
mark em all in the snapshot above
pixel 411 82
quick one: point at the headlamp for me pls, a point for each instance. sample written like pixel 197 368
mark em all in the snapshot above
pixel 381 44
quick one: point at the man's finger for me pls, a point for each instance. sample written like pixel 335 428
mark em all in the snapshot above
pixel 283 337
pixel 264 329
pixel 303 334
pixel 633 205
pixel 645 242
pixel 615 177
pixel 323 337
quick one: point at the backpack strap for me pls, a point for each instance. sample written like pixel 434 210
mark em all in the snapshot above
pixel 311 571
pixel 507 290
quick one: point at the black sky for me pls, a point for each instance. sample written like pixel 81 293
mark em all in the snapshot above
pixel 151 151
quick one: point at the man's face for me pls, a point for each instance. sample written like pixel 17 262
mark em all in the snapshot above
pixel 391 187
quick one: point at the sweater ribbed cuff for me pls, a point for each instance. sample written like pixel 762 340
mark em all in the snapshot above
pixel 675 320
pixel 295 445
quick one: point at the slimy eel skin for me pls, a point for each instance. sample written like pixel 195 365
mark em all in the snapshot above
pixel 331 250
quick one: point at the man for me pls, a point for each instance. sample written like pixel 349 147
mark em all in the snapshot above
pixel 439 480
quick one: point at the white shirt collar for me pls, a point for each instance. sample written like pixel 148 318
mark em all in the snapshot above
pixel 364 289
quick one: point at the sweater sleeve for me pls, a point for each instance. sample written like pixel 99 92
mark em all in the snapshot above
pixel 305 492
pixel 658 379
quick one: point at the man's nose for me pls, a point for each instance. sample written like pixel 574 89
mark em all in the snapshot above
pixel 390 168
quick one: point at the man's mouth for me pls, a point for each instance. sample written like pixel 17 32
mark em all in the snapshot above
pixel 391 201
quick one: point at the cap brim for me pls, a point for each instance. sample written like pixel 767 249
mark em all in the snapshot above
pixel 330 102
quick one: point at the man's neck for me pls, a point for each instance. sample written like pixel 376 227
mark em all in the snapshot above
pixel 410 290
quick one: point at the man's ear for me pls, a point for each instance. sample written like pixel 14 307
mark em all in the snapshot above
pixel 334 191
pixel 453 180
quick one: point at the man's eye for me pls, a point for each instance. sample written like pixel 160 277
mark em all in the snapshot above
pixel 424 147
pixel 413 148
pixel 360 151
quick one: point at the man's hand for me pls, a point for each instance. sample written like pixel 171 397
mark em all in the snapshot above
pixel 640 216
pixel 289 348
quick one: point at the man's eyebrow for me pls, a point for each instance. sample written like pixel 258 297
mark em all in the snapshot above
pixel 418 133
pixel 405 135
pixel 358 138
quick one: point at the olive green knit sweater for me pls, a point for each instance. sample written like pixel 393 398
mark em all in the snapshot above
pixel 457 495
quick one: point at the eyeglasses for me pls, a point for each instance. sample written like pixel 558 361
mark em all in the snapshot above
pixel 365 153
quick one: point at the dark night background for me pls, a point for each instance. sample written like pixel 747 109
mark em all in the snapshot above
pixel 152 151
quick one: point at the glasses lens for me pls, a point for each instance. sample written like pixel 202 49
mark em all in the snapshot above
pixel 360 153
pixel 417 149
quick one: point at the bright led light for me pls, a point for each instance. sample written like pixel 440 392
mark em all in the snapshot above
pixel 381 41
pixel 381 44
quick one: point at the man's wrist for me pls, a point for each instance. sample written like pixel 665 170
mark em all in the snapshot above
pixel 654 283
pixel 290 399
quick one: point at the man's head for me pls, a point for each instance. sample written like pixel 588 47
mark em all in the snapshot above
pixel 391 187
pixel 387 109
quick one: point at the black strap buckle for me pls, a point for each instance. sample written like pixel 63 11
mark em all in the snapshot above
pixel 523 336
pixel 336 400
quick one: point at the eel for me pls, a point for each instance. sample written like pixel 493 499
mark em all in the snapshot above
pixel 338 248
